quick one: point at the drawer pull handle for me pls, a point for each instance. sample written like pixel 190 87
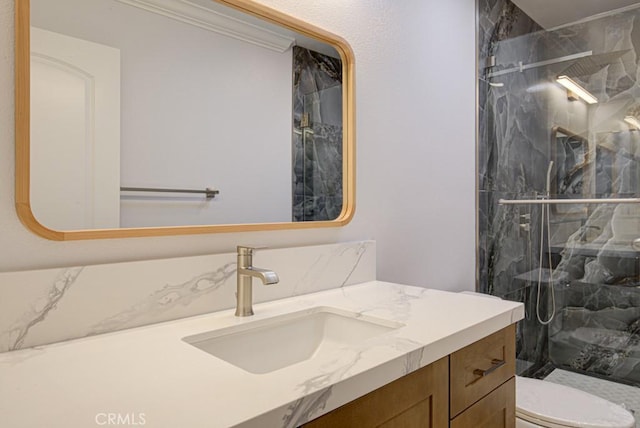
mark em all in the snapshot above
pixel 495 365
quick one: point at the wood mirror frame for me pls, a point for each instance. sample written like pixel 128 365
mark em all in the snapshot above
pixel 22 129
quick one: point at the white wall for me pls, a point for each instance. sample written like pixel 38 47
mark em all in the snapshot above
pixel 193 107
pixel 415 84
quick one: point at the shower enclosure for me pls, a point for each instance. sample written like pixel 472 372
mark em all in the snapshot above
pixel 317 136
pixel 558 182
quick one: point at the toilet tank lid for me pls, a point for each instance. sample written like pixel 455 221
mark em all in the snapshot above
pixel 559 405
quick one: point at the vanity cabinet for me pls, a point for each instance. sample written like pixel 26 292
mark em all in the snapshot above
pixel 419 399
pixel 471 388
pixel 482 387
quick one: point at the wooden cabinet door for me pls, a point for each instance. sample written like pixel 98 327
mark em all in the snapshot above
pixel 418 400
pixel 496 410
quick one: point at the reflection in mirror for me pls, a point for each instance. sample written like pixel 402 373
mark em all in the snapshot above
pixel 317 160
pixel 570 156
pixel 618 163
pixel 610 169
pixel 139 107
pixel 606 168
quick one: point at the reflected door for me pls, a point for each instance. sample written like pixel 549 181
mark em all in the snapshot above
pixel 75 111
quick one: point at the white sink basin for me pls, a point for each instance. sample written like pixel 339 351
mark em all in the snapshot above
pixel 274 343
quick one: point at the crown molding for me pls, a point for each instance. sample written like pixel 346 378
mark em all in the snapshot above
pixel 211 20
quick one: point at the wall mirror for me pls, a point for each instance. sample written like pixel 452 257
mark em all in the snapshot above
pixel 166 117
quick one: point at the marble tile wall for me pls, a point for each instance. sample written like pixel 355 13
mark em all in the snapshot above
pixel 506 151
pixel 45 306
pixel 317 148
pixel 595 270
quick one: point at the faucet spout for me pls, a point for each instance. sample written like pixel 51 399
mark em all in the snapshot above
pixel 246 272
pixel 267 276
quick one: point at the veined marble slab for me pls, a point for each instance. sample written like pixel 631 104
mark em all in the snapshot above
pixel 45 306
pixel 151 373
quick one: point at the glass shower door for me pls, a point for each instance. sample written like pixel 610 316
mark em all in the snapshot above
pixel 559 178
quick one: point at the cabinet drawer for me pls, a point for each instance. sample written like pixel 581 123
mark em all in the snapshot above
pixel 480 368
pixel 496 410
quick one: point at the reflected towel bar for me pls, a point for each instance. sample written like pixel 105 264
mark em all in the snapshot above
pixel 210 193
pixel 568 201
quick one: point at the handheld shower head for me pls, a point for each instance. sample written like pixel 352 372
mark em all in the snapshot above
pixel 549 170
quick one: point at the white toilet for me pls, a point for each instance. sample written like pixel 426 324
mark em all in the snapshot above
pixel 549 405
pixel 541 404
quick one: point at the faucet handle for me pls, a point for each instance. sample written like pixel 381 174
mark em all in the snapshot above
pixel 245 250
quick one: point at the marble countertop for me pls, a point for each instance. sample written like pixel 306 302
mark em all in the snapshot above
pixel 148 376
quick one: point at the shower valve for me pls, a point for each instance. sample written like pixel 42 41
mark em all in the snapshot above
pixel 525 224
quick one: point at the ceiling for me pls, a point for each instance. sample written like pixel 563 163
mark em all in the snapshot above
pixel 554 13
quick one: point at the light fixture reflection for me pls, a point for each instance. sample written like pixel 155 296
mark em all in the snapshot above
pixel 633 121
pixel 572 86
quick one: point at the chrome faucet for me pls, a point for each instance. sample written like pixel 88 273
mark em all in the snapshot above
pixel 246 272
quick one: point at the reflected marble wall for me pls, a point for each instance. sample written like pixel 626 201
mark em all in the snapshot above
pixel 45 306
pixel 317 139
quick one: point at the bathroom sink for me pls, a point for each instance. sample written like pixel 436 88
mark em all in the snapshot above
pixel 270 344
